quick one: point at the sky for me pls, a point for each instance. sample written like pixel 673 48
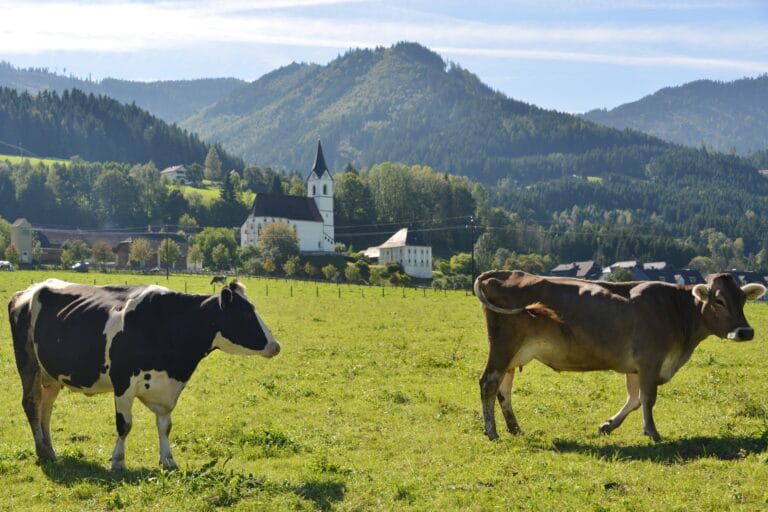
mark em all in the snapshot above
pixel 571 56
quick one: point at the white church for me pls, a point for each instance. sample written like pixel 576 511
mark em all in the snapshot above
pixel 311 216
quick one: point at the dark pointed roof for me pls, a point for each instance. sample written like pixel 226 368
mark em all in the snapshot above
pixel 319 167
pixel 286 207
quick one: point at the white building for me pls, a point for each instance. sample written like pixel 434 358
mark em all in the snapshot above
pixel 311 216
pixel 407 249
pixel 175 173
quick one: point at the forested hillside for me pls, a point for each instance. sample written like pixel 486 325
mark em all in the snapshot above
pixel 724 116
pixel 170 100
pixel 403 104
pixel 96 128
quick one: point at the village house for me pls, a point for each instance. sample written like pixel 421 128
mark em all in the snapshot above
pixel 579 269
pixel 407 249
pixel 311 216
pixel 51 240
pixel 175 173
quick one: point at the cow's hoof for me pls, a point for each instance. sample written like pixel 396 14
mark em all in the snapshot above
pixel 46 453
pixel 169 464
pixel 118 465
pixel 606 428
pixel 653 435
pixel 492 436
pixel 514 430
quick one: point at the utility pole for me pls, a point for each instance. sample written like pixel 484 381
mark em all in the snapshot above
pixel 472 228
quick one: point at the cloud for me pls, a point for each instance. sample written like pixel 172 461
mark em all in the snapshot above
pixel 118 27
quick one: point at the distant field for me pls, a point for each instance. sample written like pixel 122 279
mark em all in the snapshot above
pixel 34 161
pixel 374 405
pixel 210 191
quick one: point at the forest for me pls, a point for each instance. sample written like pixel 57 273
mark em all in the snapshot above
pixel 95 128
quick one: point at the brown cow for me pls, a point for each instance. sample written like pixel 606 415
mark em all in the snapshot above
pixel 645 330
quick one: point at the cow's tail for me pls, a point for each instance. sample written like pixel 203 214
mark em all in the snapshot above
pixel 537 309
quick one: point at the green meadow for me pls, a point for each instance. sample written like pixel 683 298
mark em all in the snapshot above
pixel 373 404
pixel 32 160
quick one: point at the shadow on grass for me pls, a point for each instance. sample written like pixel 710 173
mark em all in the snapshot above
pixel 67 470
pixel 725 447
pixel 211 481
pixel 323 493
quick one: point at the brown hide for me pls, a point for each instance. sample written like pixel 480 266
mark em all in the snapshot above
pixel 646 330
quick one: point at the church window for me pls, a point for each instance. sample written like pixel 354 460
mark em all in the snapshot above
pixel 313 190
pixel 325 190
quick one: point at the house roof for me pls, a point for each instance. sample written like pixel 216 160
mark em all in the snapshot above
pixel 286 207
pixel 658 265
pixel 55 238
pixel 404 237
pixel 319 167
pixel 174 168
pixel 580 269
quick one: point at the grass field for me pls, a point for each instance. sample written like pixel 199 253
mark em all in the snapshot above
pixel 34 161
pixel 373 404
pixel 209 192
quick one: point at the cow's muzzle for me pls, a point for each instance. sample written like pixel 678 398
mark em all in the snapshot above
pixel 742 334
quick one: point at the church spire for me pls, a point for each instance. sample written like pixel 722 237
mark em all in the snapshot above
pixel 319 167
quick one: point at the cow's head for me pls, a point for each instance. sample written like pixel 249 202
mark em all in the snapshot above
pixel 723 306
pixel 240 329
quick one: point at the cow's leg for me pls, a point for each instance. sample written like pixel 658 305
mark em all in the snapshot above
pixel 163 422
pixel 50 390
pixel 498 360
pixel 632 403
pixel 32 391
pixel 123 418
pixel 504 396
pixel 648 388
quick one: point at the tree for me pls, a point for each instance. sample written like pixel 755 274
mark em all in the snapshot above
pixel 77 249
pixel 195 256
pixel 461 263
pixel 620 275
pixel 12 255
pixel 310 269
pixel 269 266
pixel 212 165
pixel 291 266
pixel 278 241
pixel 230 187
pixel 209 238
pixel 102 253
pixel 140 251
pixel 168 252
pixel 195 173
pixel 352 273
pixel 330 272
pixel 221 257
pixel 187 223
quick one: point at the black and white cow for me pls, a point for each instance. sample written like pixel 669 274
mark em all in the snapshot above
pixel 139 342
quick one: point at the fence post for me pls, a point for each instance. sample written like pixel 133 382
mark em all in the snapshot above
pixel 291 290
pixel 267 285
pixel 382 290
pixel 339 288
pixel 403 291
pixel 317 291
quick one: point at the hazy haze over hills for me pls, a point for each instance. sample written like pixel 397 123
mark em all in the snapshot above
pixel 724 116
pixel 170 100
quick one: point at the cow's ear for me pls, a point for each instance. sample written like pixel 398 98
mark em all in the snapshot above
pixel 753 290
pixel 226 298
pixel 701 292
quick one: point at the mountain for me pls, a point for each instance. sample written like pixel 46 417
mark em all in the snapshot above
pixel 725 116
pixel 169 100
pixel 96 128
pixel 402 103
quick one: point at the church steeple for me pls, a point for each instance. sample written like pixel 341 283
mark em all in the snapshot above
pixel 319 167
pixel 320 188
